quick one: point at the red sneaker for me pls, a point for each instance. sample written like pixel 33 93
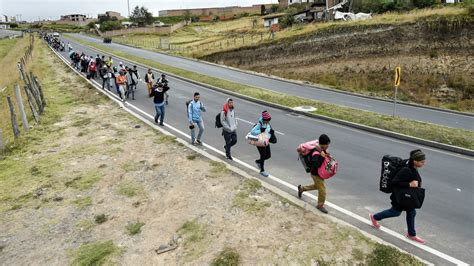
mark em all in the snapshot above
pixel 415 238
pixel 375 224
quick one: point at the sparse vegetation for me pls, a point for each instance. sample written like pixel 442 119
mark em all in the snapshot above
pixel 94 253
pixel 246 200
pixel 195 238
pixel 83 203
pixel 386 255
pixel 134 228
pixel 165 139
pixel 218 168
pixel 227 257
pixel 101 218
pixel 130 189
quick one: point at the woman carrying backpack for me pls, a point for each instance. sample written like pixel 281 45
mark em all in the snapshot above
pixel 263 126
pixel 407 177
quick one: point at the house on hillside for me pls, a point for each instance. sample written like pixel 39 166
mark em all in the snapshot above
pixel 272 19
pixel 4 25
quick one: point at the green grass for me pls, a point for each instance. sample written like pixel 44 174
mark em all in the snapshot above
pixel 83 203
pixel 388 256
pixel 218 168
pixel 130 189
pixel 5 46
pixel 170 20
pixel 94 253
pixel 193 231
pixel 100 218
pixel 134 228
pixel 456 137
pixel 84 181
pixel 227 257
pixel 162 139
pixel 245 201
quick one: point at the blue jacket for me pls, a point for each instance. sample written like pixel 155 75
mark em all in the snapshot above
pixel 257 129
pixel 194 111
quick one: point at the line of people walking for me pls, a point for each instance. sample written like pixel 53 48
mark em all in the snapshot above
pixel 314 154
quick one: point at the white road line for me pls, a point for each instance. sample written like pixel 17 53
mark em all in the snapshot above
pixel 248 122
pixel 290 186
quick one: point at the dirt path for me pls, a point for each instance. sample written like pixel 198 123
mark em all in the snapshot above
pixel 92 184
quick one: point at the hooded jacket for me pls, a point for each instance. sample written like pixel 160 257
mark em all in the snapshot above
pixel 228 119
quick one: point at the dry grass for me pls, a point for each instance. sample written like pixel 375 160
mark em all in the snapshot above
pixel 201 39
pixel 12 51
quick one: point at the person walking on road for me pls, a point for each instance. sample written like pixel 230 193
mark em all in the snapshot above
pixel 106 76
pixel 134 76
pixel 316 162
pixel 158 93
pixel 407 177
pixel 229 126
pixel 109 62
pixel 263 126
pixel 195 107
pixel 149 79
pixel 164 81
pixel 122 84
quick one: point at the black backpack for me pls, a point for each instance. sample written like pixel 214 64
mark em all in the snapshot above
pixel 391 165
pixel 218 123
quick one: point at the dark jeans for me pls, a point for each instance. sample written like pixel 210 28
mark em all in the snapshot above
pixel 230 140
pixel 160 112
pixel 265 154
pixel 395 213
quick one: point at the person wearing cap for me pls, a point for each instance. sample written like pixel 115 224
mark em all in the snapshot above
pixel 316 162
pixel 229 126
pixel 164 81
pixel 406 177
pixel 195 107
pixel 158 99
pixel 263 126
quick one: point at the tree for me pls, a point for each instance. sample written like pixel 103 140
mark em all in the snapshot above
pixel 110 25
pixel 141 16
pixel 13 25
pixel 91 25
pixel 187 16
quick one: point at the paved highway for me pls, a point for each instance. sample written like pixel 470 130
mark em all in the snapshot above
pixel 406 111
pixel 446 219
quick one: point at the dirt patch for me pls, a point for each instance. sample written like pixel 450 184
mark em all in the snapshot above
pixel 118 193
pixel 433 52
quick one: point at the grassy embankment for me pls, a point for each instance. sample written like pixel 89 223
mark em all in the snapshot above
pixel 451 136
pixel 62 196
pixel 10 53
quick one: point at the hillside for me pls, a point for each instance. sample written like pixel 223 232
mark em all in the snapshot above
pixel 433 51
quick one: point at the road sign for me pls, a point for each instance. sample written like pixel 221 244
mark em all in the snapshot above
pixel 397 76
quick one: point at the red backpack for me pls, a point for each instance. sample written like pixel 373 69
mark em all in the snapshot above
pixel 92 67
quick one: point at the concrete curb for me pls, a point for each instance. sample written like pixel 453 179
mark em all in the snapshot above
pixel 273 189
pixel 382 132
pixel 309 84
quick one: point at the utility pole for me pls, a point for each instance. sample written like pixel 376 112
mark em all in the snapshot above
pixel 128 5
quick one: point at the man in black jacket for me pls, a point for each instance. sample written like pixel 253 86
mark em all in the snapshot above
pixel 158 93
pixel 407 177
pixel 316 162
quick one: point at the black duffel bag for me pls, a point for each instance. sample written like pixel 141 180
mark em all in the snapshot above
pixel 410 198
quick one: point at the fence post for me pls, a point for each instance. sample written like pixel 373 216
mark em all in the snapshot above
pixel 21 107
pixel 2 145
pixel 35 94
pixel 16 131
pixel 30 103
pixel 40 89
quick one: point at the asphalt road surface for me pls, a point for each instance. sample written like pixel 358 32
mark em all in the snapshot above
pixel 406 111
pixel 446 219
pixel 9 33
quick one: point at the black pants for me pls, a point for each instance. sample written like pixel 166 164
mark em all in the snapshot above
pixel 230 140
pixel 265 154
